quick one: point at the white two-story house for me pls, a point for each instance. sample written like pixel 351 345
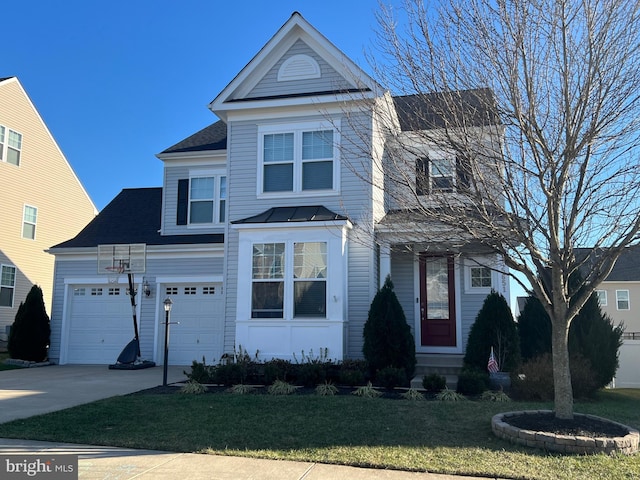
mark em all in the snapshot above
pixel 275 226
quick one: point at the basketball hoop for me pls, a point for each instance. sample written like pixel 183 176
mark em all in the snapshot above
pixel 113 273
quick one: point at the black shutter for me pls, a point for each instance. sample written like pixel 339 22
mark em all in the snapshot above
pixel 183 201
pixel 422 176
pixel 463 173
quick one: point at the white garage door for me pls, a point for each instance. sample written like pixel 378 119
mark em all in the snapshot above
pixel 200 310
pixel 100 323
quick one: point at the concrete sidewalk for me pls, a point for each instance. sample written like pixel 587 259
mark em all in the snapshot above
pixel 101 463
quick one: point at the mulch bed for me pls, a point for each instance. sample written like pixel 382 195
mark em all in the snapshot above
pixel 579 426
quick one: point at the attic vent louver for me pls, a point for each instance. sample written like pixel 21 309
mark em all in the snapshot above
pixel 298 67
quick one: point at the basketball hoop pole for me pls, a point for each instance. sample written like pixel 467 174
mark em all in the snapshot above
pixel 132 296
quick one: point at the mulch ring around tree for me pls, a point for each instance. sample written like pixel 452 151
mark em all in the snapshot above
pixel 584 434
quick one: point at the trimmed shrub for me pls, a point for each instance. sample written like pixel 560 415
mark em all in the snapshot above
pixel 277 369
pixel 200 372
pixel 434 383
pixel 535 383
pixel 30 332
pixel 472 382
pixel 388 341
pixel 311 374
pixel 493 327
pixel 391 377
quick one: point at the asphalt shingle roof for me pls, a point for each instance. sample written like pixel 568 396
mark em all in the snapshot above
pixel 213 137
pixel 437 110
pixel 133 216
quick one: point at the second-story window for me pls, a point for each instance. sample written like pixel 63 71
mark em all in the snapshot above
pixel 202 200
pixel 29 219
pixel 441 174
pixel 297 159
pixel 10 145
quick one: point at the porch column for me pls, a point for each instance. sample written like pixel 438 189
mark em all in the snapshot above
pixel 385 262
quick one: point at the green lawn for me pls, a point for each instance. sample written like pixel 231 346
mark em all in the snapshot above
pixel 432 436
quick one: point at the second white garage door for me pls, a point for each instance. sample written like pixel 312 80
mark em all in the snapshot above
pixel 199 309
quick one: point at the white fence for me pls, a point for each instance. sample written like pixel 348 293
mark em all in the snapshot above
pixel 628 375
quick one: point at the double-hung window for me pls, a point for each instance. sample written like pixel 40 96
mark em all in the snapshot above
pixel 289 280
pixel 29 219
pixel 443 174
pixel 622 299
pixel 10 145
pixel 297 158
pixel 7 285
pixel 202 200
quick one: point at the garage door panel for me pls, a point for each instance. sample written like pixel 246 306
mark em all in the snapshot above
pixel 100 326
pixel 199 310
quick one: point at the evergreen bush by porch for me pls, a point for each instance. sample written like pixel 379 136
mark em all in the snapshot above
pixel 388 341
pixel 493 327
pixel 29 337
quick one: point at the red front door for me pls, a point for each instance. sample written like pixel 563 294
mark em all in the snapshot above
pixel 437 301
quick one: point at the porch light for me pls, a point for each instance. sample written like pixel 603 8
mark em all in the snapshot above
pixel 167 304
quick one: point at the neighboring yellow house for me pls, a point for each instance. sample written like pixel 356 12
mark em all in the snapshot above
pixel 42 201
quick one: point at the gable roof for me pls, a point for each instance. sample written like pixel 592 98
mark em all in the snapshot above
pixel 316 213
pixel 426 111
pixel 627 268
pixel 133 216
pixel 213 137
pixel 295 28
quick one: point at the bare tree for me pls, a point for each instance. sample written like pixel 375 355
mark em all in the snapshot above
pixel 539 102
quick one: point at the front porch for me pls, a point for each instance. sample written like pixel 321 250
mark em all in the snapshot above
pixel 447 365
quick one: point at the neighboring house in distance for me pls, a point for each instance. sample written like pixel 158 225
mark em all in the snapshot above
pixel 619 297
pixel 270 234
pixel 43 202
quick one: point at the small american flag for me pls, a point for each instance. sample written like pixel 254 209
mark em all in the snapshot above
pixel 492 365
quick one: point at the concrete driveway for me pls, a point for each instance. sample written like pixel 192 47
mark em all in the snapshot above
pixel 26 392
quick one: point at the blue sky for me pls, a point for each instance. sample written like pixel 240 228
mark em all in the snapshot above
pixel 118 82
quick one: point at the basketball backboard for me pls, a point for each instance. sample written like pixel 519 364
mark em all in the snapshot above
pixel 122 258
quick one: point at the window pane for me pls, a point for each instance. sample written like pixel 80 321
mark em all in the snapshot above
pixel 8 277
pixel 201 212
pixel 28 230
pixel 310 260
pixel 30 214
pixel 317 175
pixel 278 178
pixel 310 299
pixel 15 140
pixel 622 297
pixel 223 187
pixel 223 210
pixel 317 145
pixel 437 288
pixel 1 134
pixel 268 260
pixel 267 300
pixel 6 297
pixel 480 277
pixel 202 188
pixel 278 147
pixel 13 156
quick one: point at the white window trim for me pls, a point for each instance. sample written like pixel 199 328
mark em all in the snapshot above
pixel 217 175
pixel 13 297
pixel 4 146
pixel 628 300
pixel 603 302
pixel 297 129
pixel 470 263
pixel 24 220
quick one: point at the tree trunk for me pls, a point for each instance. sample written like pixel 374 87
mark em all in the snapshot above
pixel 563 392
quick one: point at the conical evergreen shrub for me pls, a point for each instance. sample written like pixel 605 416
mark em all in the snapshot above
pixel 388 341
pixel 29 337
pixel 493 327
